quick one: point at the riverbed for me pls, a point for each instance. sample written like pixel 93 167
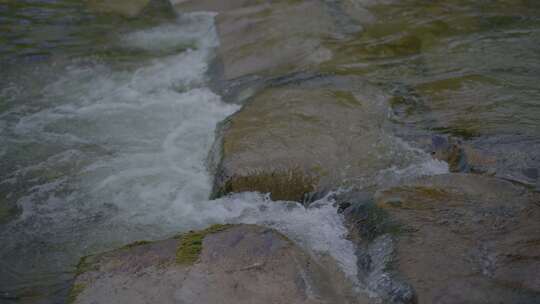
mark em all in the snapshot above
pixel 107 121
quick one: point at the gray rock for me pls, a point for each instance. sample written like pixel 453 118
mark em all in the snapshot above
pixel 128 8
pixel 223 264
pixel 217 6
pixel 466 239
pixel 292 140
pixel 374 235
pixel 133 8
pixel 268 38
pixel 451 151
pixel 8 211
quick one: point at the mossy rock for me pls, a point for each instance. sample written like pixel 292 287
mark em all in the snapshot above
pixel 76 290
pixel 458 223
pixel 293 185
pixel 418 198
pixel 85 265
pixel 191 244
pixel 214 265
pixel 8 211
pixel 272 40
pixel 294 140
pixel 368 221
pixel 133 8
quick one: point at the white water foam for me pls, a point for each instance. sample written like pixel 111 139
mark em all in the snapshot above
pixel 318 228
pixel 127 160
pixel 420 164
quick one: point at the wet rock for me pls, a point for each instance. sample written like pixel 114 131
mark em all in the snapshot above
pixel 7 212
pixel 358 11
pixel 374 234
pixel 274 40
pixel 8 208
pixel 466 239
pixel 134 8
pixel 215 5
pixel 460 156
pixel 128 8
pixel 292 140
pixel 390 32
pixel 222 264
pixel 451 151
pixel 268 38
pixel 508 156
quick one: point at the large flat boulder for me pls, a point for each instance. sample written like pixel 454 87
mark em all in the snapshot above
pixel 268 38
pixel 466 239
pixel 274 40
pixel 222 264
pixel 314 135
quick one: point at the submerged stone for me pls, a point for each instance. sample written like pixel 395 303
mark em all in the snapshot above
pixel 8 210
pixel 466 239
pixel 450 151
pixel 129 8
pixel 233 264
pixel 133 8
pixel 273 40
pixel 375 233
pixel 215 5
pixel 268 38
pixel 191 244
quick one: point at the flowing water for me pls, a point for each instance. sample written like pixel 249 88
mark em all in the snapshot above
pixel 107 147
pixel 465 68
pixel 106 123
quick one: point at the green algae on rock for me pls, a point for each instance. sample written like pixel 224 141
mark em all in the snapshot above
pixel 228 257
pixel 191 244
pixel 475 230
pixel 75 291
pixel 314 136
pixel 7 211
pixel 293 185
pixel 263 39
pixel 136 243
pixel 213 5
pixel 375 232
pixel 127 8
pixel 85 264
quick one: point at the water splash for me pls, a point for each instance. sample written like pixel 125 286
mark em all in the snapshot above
pixel 120 155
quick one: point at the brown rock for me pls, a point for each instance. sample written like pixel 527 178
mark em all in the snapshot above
pixel 273 40
pixel 467 239
pixel 460 156
pixel 147 9
pixel 214 5
pixel 128 8
pixel 268 38
pixel 223 264
pixel 292 140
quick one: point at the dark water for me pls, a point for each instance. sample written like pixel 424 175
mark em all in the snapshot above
pixel 96 110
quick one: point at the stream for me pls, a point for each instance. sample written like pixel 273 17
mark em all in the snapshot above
pixel 106 123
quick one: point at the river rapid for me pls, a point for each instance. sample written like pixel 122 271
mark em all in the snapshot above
pixel 106 124
pixel 104 150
